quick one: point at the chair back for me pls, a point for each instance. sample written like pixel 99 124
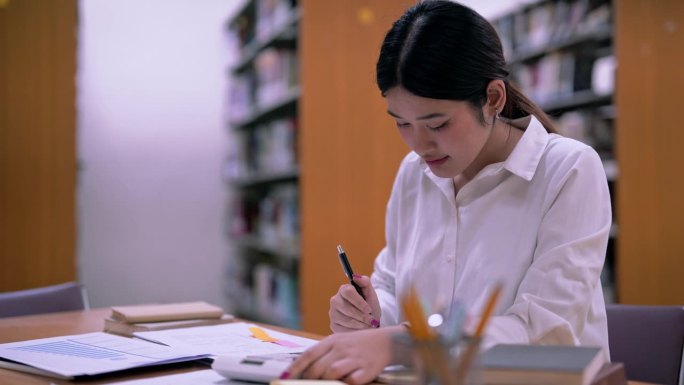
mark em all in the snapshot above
pixel 49 299
pixel 649 340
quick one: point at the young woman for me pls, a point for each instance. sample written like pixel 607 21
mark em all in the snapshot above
pixel 489 193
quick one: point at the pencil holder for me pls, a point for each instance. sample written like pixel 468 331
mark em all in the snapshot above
pixel 442 362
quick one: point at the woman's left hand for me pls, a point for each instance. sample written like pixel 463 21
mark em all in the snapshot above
pixel 356 357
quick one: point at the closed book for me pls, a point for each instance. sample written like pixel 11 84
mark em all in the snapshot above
pixel 611 374
pixel 123 328
pixel 166 312
pixel 541 365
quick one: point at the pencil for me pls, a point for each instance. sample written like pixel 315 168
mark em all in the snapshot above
pixel 414 314
pixel 489 309
pixel 467 356
pixel 425 339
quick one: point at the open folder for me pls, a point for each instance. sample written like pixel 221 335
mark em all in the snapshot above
pixel 83 355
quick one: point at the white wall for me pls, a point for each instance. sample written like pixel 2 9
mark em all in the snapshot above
pixel 151 140
pixel 494 8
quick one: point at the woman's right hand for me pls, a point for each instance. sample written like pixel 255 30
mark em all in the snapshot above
pixel 349 311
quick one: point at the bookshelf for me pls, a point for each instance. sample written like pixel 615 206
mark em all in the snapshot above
pixel 295 149
pixel 262 168
pixel 561 54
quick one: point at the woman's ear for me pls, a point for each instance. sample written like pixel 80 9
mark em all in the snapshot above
pixel 496 98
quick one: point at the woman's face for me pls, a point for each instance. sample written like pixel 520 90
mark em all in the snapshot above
pixel 447 134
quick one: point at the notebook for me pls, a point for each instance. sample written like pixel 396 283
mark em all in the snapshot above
pixel 127 329
pixel 166 312
pixel 541 364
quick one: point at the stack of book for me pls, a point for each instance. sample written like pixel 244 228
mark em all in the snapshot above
pixel 126 320
pixel 541 365
pixel 510 364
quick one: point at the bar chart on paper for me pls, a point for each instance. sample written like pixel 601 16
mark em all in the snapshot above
pixel 87 354
pixel 70 348
pixel 99 347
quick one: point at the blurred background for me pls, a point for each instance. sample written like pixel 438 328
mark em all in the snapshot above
pixel 175 150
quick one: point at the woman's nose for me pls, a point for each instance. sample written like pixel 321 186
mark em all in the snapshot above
pixel 422 140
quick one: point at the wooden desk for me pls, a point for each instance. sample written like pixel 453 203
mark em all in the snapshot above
pixel 14 329
pixel 58 324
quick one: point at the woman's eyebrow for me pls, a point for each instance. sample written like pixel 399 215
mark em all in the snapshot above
pixel 424 117
pixel 394 115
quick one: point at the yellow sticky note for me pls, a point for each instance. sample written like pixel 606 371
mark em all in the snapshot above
pixel 261 334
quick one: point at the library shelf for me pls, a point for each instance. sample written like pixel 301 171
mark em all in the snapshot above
pixel 284 37
pixel 561 54
pixel 267 178
pixel 285 105
pixel 599 34
pixel 579 99
pixel 262 169
pixel 286 254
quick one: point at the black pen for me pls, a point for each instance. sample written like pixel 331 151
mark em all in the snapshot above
pixel 348 270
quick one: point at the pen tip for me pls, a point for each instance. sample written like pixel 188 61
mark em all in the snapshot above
pixel 339 249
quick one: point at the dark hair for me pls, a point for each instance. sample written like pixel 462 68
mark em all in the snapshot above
pixel 440 49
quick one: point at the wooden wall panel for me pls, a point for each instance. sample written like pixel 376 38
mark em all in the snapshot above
pixel 650 135
pixel 37 142
pixel 349 147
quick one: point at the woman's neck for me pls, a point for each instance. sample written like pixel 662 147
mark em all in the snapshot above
pixel 503 138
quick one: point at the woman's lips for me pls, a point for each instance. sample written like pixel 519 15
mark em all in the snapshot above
pixel 436 161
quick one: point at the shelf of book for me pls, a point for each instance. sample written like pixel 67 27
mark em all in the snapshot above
pixel 285 105
pixel 266 293
pixel 598 35
pixel 577 100
pixel 560 53
pixel 286 253
pixel 283 37
pixel 262 167
pixel 265 178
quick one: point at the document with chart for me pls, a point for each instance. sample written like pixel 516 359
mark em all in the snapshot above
pixel 237 339
pixel 88 354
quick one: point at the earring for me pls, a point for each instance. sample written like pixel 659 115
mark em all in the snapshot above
pixel 496 114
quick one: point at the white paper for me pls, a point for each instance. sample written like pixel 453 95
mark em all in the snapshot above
pixel 200 377
pixel 228 339
pixel 91 353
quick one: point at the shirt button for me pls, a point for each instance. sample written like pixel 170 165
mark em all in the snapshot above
pixel 450 258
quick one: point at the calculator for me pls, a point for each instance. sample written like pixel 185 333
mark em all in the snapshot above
pixel 257 368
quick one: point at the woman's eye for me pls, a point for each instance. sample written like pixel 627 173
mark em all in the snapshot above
pixel 439 127
pixel 402 125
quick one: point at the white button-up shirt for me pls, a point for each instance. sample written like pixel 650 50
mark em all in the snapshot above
pixel 538 222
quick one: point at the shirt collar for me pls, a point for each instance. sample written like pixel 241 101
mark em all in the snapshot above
pixel 527 154
pixel 522 161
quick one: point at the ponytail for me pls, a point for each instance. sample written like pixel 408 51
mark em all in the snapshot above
pixel 518 105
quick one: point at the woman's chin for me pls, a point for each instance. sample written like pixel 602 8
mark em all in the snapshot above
pixel 443 173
